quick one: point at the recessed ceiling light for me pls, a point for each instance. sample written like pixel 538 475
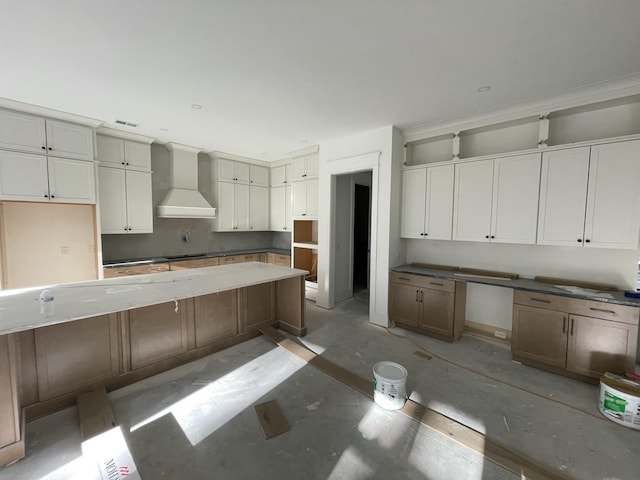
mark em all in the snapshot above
pixel 196 106
pixel 484 88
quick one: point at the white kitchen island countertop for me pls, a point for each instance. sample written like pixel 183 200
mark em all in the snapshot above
pixel 20 309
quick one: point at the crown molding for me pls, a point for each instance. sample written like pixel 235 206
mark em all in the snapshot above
pixel 49 112
pixel 114 132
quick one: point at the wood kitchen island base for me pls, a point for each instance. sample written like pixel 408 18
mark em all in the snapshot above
pixel 45 369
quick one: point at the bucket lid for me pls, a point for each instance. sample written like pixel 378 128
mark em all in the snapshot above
pixel 390 370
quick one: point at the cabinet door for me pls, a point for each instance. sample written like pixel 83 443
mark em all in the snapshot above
pixel 71 181
pixel 563 193
pixel 439 203
pixel 139 202
pixel 23 176
pixel 598 346
pixel 20 131
pixel 312 198
pixel 280 175
pixel 516 185
pixel 157 333
pixel 259 208
pixel 404 303
pixel 69 140
pixel 437 312
pixel 74 355
pixel 414 194
pixel 216 317
pixel 276 209
pixel 613 199
pixel 226 170
pixel 539 335
pixel 226 205
pixel 472 201
pixel 258 176
pixel 258 306
pixel 242 173
pixel 9 401
pixel 242 217
pixel 137 155
pixel 299 199
pixel 311 166
pixel 113 200
pixel 299 169
pixel 110 151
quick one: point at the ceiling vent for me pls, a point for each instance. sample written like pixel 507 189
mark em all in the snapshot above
pixel 126 124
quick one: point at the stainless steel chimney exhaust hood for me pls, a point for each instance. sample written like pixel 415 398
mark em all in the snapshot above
pixel 183 199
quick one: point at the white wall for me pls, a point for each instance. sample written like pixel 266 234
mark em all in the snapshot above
pixel 492 305
pixel 373 150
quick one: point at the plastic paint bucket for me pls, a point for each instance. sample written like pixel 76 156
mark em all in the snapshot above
pixel 389 386
pixel 620 400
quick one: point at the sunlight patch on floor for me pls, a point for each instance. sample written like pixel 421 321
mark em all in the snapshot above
pixel 206 410
pixel 351 465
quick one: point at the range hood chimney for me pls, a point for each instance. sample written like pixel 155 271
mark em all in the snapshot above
pixel 183 199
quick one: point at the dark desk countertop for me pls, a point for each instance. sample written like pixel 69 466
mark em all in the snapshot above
pixel 521 284
pixel 187 256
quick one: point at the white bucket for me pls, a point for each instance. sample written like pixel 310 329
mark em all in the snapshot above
pixel 620 400
pixel 389 386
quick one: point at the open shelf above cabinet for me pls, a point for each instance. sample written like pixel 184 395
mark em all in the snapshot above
pixel 521 134
pixel 429 150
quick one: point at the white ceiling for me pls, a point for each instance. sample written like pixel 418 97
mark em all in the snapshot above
pixel 273 76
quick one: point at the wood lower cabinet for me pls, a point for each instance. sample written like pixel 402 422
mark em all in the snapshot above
pixel 11 441
pixel 430 305
pixel 112 272
pixel 70 356
pixel 258 306
pixel 216 317
pixel 277 259
pixel 574 336
pixel 157 332
pixel 195 263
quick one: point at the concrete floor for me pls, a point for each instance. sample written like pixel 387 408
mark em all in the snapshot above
pixel 197 421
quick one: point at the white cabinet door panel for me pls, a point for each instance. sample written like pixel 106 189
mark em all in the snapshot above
pixel 259 208
pixel 414 184
pixel 242 219
pixel 258 176
pixel 225 207
pixel 23 176
pixel 139 202
pixel 137 155
pixel 514 216
pixel 613 200
pixel 472 201
pixel 280 175
pixel 226 170
pixel 563 190
pixel 20 131
pixel 312 198
pixel 277 221
pixel 71 181
pixel 113 200
pixel 439 202
pixel 312 166
pixel 69 140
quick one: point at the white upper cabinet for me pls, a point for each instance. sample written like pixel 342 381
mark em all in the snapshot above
pixel 563 191
pixel 29 133
pixel 232 171
pixel 259 198
pixel 472 201
pixel 37 178
pixel 613 200
pixel 258 176
pixel 280 175
pixel 117 152
pixel 427 203
pixel 280 219
pixel 497 200
pixel 125 201
pixel 514 212
pixel 590 196
pixel 305 199
pixel 305 168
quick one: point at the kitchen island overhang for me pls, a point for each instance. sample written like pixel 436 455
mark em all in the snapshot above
pixel 113 332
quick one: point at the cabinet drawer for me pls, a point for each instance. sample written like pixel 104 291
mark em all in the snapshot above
pixel 424 282
pixel 198 263
pixel 578 306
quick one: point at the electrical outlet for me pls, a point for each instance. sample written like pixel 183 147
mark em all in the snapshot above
pixel 500 334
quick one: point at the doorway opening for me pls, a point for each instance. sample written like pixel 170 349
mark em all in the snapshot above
pixel 353 236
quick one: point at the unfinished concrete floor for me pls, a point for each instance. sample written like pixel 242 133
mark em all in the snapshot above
pixel 197 421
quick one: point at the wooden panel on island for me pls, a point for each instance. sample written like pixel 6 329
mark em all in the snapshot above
pixel 157 332
pixel 11 440
pixel 216 317
pixel 77 354
pixel 258 306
